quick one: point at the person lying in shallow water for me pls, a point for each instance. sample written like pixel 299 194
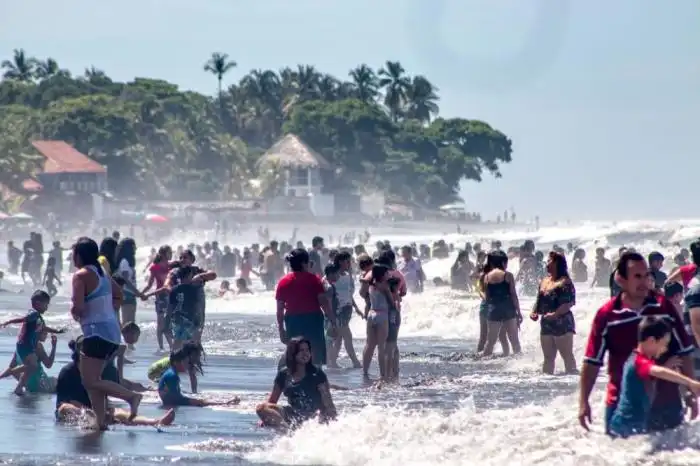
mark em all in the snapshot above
pixel 305 386
pixel 71 413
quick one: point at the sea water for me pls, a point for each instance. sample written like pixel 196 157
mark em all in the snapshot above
pixel 451 411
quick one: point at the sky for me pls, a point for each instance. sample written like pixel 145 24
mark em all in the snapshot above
pixel 600 98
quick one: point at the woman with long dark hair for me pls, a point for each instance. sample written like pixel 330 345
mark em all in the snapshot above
pixel 108 255
pixel 503 307
pixel 553 305
pixel 305 386
pixel 126 263
pixel 95 296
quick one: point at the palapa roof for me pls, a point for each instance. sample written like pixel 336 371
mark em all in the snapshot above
pixel 290 151
pixel 61 157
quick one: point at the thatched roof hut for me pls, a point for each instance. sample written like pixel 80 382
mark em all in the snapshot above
pixel 291 152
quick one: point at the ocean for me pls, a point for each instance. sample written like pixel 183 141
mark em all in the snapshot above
pixel 449 410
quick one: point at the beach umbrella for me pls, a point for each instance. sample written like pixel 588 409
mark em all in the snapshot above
pixel 155 218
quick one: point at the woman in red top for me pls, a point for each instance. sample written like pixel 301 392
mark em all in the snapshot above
pixel 686 273
pixel 300 300
pixel 159 269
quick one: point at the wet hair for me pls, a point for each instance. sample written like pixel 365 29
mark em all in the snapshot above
pixel 108 249
pixel 192 348
pixel 495 260
pixel 87 251
pixel 624 262
pixel 671 289
pixel 342 256
pixel 126 250
pixel 162 254
pixel 695 251
pixel 330 269
pixel 379 271
pixel 364 261
pixel 290 355
pixel 297 258
pixel 316 241
pixel 387 257
pixel 131 327
pixel 40 296
pixel 561 269
pixel 75 346
pixel 188 253
pixel 652 327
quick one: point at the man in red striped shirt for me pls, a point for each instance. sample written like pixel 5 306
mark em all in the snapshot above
pixel 614 331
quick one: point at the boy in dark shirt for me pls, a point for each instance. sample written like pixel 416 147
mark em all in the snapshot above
pixel 25 350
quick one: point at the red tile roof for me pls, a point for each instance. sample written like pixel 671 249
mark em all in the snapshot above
pixel 32 185
pixel 61 157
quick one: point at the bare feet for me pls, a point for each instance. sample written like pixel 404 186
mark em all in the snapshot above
pixel 134 406
pixel 19 391
pixel 168 418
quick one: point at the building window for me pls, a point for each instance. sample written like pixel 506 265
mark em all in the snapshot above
pixel 298 177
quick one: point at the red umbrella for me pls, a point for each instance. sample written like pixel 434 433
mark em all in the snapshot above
pixel 155 218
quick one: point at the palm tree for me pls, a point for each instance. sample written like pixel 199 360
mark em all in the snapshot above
pixel 20 67
pixel 46 69
pixel 365 83
pixel 393 79
pixel 219 65
pixel 421 100
pixel 306 79
pixel 328 88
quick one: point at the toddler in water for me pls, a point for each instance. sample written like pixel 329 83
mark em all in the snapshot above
pixel 169 384
pixel 32 326
pixel 632 412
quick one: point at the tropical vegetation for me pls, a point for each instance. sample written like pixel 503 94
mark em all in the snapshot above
pixel 380 128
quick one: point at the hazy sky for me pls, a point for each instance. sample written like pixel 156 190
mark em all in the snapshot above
pixel 601 98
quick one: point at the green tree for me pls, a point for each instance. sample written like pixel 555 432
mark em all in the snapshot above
pixel 159 141
pixel 218 65
pixel 364 83
pixel 21 67
pixel 393 79
pixel 421 100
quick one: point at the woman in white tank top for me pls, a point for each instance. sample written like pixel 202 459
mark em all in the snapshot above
pixel 95 298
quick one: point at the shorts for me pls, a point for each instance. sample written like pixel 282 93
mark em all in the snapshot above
pixel 98 348
pixel 394 324
pixel 377 318
pixel 184 330
pixel 23 351
pixel 343 315
pixel 342 318
pixel 501 312
pixel 311 327
pixel 162 304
